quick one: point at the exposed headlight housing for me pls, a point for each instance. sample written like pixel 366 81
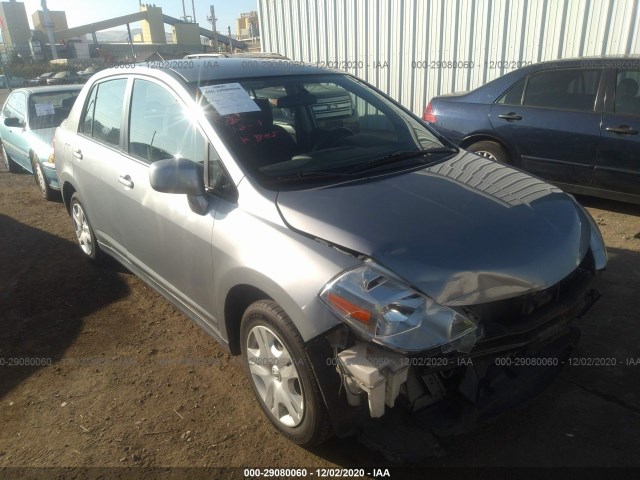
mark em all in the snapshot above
pixel 385 310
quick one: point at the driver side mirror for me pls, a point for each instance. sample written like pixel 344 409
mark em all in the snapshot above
pixel 13 122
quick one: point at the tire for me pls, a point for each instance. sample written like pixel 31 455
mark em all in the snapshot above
pixel 84 232
pixel 9 164
pixel 281 376
pixel 45 190
pixel 491 150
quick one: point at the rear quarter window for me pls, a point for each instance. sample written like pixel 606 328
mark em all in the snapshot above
pixel 102 117
pixel 628 92
pixel 513 96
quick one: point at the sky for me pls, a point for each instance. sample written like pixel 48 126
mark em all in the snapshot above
pixel 80 12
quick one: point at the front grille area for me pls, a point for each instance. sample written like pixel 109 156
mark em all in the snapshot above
pixel 519 314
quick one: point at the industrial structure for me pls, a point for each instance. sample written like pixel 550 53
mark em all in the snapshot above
pixel 52 38
pixel 247 26
pixel 414 50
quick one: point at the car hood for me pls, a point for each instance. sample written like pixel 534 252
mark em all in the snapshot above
pixel 464 232
pixel 41 141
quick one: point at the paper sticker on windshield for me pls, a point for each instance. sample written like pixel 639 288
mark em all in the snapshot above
pixel 229 98
pixel 44 109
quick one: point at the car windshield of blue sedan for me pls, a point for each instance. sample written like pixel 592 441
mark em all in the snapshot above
pixel 316 126
pixel 48 110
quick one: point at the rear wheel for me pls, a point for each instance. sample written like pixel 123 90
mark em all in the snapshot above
pixel 84 231
pixel 491 150
pixel 9 163
pixel 281 376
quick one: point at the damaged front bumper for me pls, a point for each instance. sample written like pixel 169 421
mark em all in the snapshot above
pixel 450 393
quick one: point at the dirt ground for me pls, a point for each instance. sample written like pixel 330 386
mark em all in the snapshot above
pixel 127 380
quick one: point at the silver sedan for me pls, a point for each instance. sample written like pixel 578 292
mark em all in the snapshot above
pixel 355 259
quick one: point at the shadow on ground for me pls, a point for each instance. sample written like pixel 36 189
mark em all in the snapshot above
pixel 46 289
pixel 611 205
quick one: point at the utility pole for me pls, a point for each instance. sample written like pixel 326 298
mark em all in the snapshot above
pixel 48 25
pixel 212 18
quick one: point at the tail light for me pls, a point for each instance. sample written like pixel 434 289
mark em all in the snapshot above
pixel 428 115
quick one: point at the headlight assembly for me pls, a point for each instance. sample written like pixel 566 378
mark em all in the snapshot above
pixel 387 311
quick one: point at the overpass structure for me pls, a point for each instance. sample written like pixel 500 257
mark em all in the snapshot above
pixel 92 28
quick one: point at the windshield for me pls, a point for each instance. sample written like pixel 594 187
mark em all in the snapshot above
pixel 48 110
pixel 301 127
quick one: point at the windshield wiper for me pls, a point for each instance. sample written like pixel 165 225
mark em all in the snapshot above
pixel 313 174
pixel 404 155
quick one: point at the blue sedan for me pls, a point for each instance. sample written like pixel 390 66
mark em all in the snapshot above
pixel 572 122
pixel 27 124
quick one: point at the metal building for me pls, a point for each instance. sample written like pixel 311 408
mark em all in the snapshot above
pixel 415 49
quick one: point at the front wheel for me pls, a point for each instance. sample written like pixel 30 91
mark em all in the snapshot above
pixel 281 376
pixel 84 231
pixel 46 191
pixel 491 150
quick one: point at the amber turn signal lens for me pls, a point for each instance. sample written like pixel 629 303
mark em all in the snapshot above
pixel 354 311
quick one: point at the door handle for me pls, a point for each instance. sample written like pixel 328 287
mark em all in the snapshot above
pixel 510 116
pixel 622 129
pixel 77 153
pixel 125 180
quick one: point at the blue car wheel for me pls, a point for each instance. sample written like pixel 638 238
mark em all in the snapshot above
pixel 41 180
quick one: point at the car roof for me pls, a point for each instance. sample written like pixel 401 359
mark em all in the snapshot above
pixel 214 69
pixel 490 91
pixel 49 89
pixel 275 55
pixel 194 56
pixel 580 60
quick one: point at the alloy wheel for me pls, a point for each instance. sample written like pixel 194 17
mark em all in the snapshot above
pixel 275 376
pixel 486 154
pixel 82 228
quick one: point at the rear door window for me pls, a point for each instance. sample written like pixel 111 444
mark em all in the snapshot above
pixel 566 89
pixel 86 125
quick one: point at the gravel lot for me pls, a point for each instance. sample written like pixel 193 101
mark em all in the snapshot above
pixel 132 382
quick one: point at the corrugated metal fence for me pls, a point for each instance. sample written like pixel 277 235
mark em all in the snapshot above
pixel 415 49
